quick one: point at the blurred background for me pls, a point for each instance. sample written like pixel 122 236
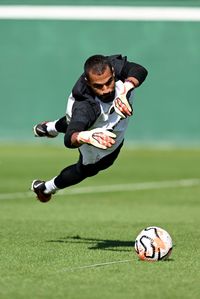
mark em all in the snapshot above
pixel 40 60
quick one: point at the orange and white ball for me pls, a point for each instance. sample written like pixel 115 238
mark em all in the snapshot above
pixel 153 244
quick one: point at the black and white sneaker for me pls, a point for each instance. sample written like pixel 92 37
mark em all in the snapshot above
pixel 38 187
pixel 40 130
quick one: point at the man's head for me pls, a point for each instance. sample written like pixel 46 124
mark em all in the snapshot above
pixel 100 76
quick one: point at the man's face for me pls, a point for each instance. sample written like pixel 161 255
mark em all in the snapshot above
pixel 103 85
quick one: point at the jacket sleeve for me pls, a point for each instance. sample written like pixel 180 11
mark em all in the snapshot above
pixel 132 69
pixel 83 116
pixel 124 68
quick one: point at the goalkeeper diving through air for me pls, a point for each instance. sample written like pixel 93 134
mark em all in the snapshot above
pixel 98 110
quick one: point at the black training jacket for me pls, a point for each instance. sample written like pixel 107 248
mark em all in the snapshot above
pixel 85 109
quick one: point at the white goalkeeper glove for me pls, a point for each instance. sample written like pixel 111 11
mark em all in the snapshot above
pixel 100 138
pixel 121 104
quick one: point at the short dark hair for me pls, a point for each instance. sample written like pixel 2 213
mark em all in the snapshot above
pixel 97 64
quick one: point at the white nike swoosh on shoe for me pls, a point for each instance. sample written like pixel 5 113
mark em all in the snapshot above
pixel 37 185
pixel 40 130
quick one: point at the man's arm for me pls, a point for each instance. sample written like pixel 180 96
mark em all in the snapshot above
pixel 78 131
pixel 125 69
pixel 83 116
pixel 134 75
pixel 134 72
pixel 100 138
pixel 134 81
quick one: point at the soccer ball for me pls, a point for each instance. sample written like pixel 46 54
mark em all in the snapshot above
pixel 153 244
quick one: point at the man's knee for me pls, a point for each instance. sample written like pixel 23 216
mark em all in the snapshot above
pixel 90 170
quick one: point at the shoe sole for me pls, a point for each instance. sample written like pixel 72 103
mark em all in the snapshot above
pixel 35 132
pixel 32 188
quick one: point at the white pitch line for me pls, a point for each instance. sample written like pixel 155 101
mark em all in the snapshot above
pixel 112 188
pixel 136 186
pixel 93 266
pixel 123 13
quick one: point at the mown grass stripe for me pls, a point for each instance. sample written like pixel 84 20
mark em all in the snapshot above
pixel 111 188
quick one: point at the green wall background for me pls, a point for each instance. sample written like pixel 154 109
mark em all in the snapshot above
pixel 105 2
pixel 40 61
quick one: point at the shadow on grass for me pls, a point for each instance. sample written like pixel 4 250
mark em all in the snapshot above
pixel 94 243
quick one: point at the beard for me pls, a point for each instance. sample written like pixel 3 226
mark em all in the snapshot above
pixel 108 97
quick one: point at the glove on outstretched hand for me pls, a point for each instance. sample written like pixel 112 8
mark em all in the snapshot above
pixel 100 138
pixel 121 104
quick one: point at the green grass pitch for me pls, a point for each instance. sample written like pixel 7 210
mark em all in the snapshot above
pixel 80 245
